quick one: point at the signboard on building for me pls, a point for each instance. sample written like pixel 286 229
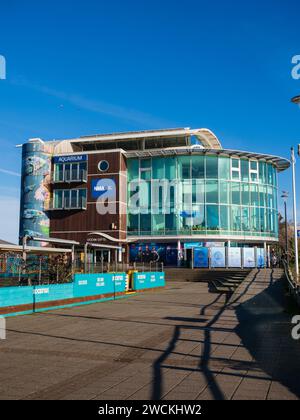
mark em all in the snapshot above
pixel 201 258
pixel 234 257
pixel 70 159
pixel 218 257
pixel 249 258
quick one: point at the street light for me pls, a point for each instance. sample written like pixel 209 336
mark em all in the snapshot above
pixel 293 159
pixel 285 196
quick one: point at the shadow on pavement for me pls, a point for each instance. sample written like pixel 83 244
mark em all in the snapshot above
pixel 265 330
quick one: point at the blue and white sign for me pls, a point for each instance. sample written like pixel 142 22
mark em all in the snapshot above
pixel 105 188
pixel 218 257
pixel 234 257
pixel 201 258
pixel 249 258
pixel 70 159
pixel 261 258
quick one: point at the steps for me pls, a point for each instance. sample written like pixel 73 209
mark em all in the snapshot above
pixel 219 281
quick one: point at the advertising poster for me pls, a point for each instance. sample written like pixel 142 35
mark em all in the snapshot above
pixel 249 257
pixel 201 258
pixel 261 258
pixel 218 258
pixel 234 257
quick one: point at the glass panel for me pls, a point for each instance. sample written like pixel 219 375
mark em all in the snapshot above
pixel 211 167
pixel 184 167
pixel 145 163
pixel 255 226
pixel 235 193
pixel 146 175
pixel 224 192
pixel 197 167
pixel 59 173
pixel 158 223
pixel 133 223
pixel 270 174
pixel 245 194
pixel 224 168
pixel 158 168
pixel 212 217
pixel 224 218
pixel 263 220
pixel 198 191
pixel 75 168
pixel 254 195
pixel 145 221
pixel 74 199
pixel 253 165
pixel 132 169
pixel 235 163
pixel 170 168
pixel 82 171
pixel 212 192
pixel 245 170
pixel 262 195
pixel 67 172
pixel 58 199
pixel 235 218
pixel 245 218
pixel 67 199
pixel 199 218
pixel 82 198
pixel 171 224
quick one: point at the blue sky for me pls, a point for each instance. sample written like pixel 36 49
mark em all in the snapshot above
pixel 84 67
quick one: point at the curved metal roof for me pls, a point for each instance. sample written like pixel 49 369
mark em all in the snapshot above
pixel 280 163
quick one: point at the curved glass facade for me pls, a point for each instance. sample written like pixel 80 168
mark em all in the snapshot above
pixel 207 196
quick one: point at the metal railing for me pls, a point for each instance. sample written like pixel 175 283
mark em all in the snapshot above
pixel 293 285
pixel 37 270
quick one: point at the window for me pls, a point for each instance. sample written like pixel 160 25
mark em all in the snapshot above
pixel 69 199
pixel 224 168
pixel 212 192
pixel 224 219
pixel 245 170
pixel 185 167
pixel 224 192
pixel 235 169
pixel 103 166
pixel 198 167
pixel 70 172
pixel 253 171
pixel 212 217
pixel 235 193
pixel 212 167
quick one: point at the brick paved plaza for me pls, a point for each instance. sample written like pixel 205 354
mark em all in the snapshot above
pixel 180 343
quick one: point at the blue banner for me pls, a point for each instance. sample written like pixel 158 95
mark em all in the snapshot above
pixel 201 258
pixel 218 257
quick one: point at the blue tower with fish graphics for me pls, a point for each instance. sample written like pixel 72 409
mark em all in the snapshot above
pixel 35 193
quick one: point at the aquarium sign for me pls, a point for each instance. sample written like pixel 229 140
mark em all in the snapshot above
pixel 70 159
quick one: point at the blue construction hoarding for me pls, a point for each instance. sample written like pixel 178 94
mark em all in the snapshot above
pixel 142 281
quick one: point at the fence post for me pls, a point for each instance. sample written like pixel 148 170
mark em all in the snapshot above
pixel 40 271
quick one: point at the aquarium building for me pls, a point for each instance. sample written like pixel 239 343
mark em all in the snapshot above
pixel 151 195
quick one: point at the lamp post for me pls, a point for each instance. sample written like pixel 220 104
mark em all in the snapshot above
pixel 285 196
pixel 293 159
pixel 295 100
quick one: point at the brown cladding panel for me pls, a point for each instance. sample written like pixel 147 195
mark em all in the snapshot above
pixel 77 224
